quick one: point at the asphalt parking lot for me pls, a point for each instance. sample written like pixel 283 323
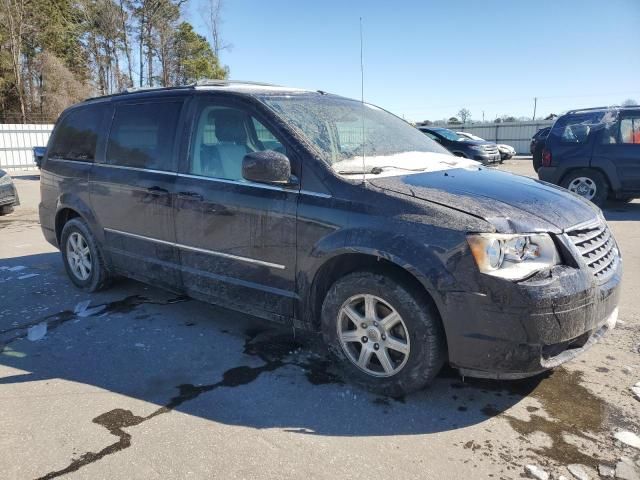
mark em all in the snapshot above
pixel 137 383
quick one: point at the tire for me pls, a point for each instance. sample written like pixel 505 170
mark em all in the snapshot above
pixel 537 159
pixel 76 231
pixel 424 340
pixel 587 183
pixel 6 210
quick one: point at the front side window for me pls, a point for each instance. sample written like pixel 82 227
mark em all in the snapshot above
pixel 630 130
pixel 76 136
pixel 222 137
pixel 143 135
pixel 345 132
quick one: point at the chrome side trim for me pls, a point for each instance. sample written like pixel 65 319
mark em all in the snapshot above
pixel 202 177
pixel 198 250
pixel 135 169
pixel 236 182
pixel 315 194
pixel 64 160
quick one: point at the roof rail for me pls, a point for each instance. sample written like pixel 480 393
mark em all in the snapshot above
pixel 217 81
pixel 608 107
pixel 199 83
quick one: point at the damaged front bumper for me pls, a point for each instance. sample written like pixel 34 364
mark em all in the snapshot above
pixel 516 330
pixel 9 196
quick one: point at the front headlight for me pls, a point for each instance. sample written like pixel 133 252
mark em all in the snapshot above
pixel 479 148
pixel 513 257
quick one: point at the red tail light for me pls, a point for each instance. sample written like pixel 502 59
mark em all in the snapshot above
pixel 546 158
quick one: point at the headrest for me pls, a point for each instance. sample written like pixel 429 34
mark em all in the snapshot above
pixel 229 125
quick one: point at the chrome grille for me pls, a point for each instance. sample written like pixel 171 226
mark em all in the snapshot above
pixel 490 148
pixel 598 249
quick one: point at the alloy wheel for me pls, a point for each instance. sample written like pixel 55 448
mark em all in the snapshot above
pixel 79 256
pixel 373 335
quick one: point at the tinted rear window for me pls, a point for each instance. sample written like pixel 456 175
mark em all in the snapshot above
pixel 577 128
pixel 76 135
pixel 142 135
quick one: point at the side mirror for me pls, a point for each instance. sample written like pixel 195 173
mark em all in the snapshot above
pixel 38 155
pixel 267 166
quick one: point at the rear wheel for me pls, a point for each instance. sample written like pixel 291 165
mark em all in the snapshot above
pixel 386 337
pixel 83 259
pixel 6 210
pixel 588 183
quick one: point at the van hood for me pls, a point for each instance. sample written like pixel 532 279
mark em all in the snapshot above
pixel 512 203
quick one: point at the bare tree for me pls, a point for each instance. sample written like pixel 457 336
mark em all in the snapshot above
pixel 214 22
pixel 629 102
pixel 14 16
pixel 464 114
pixel 124 20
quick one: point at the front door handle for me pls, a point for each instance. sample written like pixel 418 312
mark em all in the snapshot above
pixel 190 196
pixel 158 191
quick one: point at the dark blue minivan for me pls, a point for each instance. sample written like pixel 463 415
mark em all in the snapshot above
pixel 595 153
pixel 327 214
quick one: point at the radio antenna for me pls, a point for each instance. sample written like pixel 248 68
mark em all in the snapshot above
pixel 364 177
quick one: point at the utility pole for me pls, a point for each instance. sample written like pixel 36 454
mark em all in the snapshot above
pixel 535 104
pixel 482 116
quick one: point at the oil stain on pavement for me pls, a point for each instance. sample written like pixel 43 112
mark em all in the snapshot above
pixel 273 350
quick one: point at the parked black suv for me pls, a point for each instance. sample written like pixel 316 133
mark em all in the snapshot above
pixel 595 153
pixel 260 198
pixel 480 150
pixel 537 146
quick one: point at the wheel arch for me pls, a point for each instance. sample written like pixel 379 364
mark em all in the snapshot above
pixel 344 262
pixel 604 173
pixel 72 206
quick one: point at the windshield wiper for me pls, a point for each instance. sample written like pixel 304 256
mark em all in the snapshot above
pixel 378 170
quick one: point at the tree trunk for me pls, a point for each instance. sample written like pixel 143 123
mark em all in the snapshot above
pixel 125 41
pixel 15 18
pixel 141 48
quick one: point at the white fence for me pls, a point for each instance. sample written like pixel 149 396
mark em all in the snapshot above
pixel 516 134
pixel 17 142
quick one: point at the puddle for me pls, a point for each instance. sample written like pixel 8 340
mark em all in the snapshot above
pixel 572 410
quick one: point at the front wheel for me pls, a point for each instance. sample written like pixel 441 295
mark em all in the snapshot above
pixel 386 336
pixel 589 184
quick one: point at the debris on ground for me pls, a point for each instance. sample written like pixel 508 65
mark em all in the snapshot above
pixel 628 438
pixel 578 471
pixel 606 471
pixel 81 307
pixel 536 472
pixel 627 369
pixel 37 332
pixel 28 275
pixel 16 268
pixel 626 470
pixel 636 390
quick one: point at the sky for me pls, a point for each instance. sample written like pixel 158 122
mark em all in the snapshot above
pixel 427 59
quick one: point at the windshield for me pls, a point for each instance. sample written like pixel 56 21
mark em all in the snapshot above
pixel 336 127
pixel 449 134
